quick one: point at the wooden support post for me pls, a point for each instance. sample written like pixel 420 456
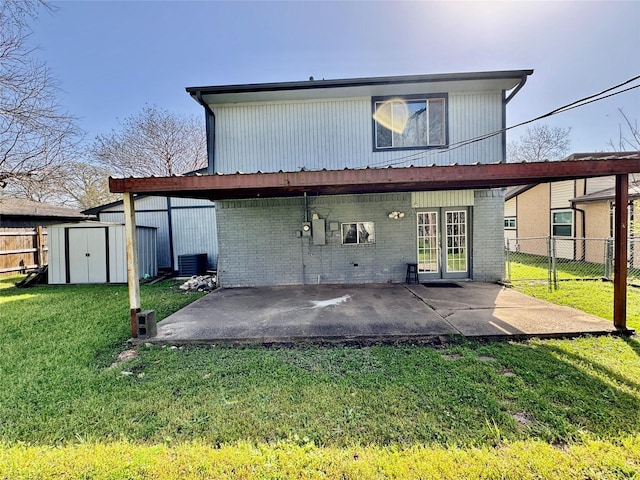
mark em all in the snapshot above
pixel 133 275
pixel 620 255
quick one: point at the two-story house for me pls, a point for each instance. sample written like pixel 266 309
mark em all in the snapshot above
pixel 349 181
pixel 300 136
pixel 359 236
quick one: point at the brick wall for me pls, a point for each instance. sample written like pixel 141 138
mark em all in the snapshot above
pixel 258 240
pixel 488 235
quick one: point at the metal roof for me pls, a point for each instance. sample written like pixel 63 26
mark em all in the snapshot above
pixel 366 86
pixel 379 180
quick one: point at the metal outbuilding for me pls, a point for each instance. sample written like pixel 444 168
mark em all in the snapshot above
pixel 185 226
pixel 95 252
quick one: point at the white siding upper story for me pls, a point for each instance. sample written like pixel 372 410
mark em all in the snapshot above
pixel 338 133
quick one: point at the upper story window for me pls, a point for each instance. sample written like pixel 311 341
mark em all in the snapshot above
pixel 413 122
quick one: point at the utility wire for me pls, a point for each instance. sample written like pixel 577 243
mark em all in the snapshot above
pixel 570 106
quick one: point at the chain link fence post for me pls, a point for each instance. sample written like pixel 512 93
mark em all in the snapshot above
pixel 554 262
pixel 508 257
pixel 608 259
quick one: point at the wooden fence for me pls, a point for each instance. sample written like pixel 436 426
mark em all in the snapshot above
pixel 22 249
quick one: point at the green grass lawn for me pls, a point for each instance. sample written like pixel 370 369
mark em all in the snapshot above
pixel 537 409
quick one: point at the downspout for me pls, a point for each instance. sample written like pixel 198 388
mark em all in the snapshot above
pixel 583 226
pixel 210 126
pixel 170 232
pixel 506 100
pixel 583 223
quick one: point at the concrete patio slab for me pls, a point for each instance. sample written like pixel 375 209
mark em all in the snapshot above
pixel 370 312
pixel 486 310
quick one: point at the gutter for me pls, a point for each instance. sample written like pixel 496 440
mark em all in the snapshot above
pixel 358 82
pixel 523 80
pixel 210 126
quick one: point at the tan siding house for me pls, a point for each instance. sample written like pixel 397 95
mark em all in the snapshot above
pixel 567 210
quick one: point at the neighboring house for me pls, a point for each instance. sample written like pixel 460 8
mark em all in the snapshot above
pixel 353 124
pixel 20 213
pixel 566 210
pixel 185 226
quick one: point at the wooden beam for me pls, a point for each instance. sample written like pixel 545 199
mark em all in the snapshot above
pixel 133 275
pixel 620 255
pixel 374 180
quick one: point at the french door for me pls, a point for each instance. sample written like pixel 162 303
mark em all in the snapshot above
pixel 443 243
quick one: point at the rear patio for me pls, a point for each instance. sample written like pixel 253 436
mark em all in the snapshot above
pixel 372 313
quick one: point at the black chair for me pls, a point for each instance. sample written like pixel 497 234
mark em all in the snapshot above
pixel 412 273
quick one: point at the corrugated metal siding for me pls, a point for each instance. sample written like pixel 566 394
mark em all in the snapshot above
pixel 510 208
pixel 335 134
pixel 152 212
pixel 561 193
pixel 147 257
pixel 57 257
pixel 148 219
pixel 117 254
pixel 448 198
pixel 190 202
pixel 194 231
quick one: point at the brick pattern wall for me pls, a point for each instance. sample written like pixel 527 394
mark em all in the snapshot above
pixel 488 235
pixel 258 240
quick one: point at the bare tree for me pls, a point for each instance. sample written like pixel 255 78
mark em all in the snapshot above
pixel 75 184
pixel 154 142
pixel 36 135
pixel 629 140
pixel 540 143
pixel 87 185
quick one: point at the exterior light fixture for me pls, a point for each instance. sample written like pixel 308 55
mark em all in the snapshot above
pixel 396 215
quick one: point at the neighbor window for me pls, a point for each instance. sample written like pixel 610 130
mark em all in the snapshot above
pixel 562 223
pixel 510 223
pixel 410 122
pixel 358 232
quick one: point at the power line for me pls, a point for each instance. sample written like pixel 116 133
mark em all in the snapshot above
pixel 569 106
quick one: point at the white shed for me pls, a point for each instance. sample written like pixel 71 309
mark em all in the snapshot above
pixel 94 252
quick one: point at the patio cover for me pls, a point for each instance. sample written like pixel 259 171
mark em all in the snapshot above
pixel 378 180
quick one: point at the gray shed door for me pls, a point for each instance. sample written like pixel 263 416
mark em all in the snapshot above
pixel 87 255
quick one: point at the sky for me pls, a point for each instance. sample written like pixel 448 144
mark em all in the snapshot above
pixel 113 58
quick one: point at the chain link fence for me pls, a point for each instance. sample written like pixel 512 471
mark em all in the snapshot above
pixel 554 259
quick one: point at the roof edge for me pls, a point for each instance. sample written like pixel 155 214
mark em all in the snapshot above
pixel 358 82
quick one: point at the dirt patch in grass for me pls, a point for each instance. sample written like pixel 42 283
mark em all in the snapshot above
pixel 123 357
pixel 486 358
pixel 451 356
pixel 523 418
